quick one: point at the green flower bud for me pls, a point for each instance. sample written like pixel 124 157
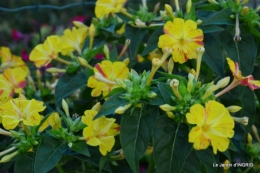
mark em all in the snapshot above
pixel 122 109
pixel 167 107
pixel 65 107
pixel 8 157
pixel 233 109
pixel 151 94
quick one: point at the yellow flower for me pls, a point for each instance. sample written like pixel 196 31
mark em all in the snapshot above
pixel 21 110
pixel 104 7
pixel 105 74
pixel 183 38
pixel 12 81
pixel 10 61
pixel 53 120
pixel 73 40
pixel 100 132
pixel 43 54
pixel 213 125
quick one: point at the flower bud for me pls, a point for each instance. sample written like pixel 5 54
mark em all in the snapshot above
pixel 126 61
pixel 226 165
pixel 84 63
pixel 199 22
pixel 8 157
pixel 242 120
pixel 200 51
pixel 190 82
pixel 65 107
pixel 101 78
pixel 167 107
pixel 149 150
pixel 188 6
pixel 70 144
pixel 120 82
pixel 4 132
pixel 106 52
pixel 249 139
pixel 79 24
pixel 151 95
pixel 157 7
pixel 139 23
pixel 92 31
pixel 244 11
pixel 209 91
pixel 223 82
pixel 174 83
pixel 96 107
pixel 127 43
pixel 245 2
pixel 55 70
pixel 170 66
pixel 122 109
pixel 169 11
pixel 7 151
pixel 170 114
pixel 213 1
pixel 233 109
pixel 255 133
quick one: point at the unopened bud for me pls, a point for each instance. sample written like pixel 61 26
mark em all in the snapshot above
pixel 245 10
pixel 96 107
pixel 170 114
pixel 190 82
pixel 174 83
pixel 151 95
pixel 199 22
pixel 255 133
pixel 169 11
pixel 122 109
pixel 84 63
pixel 233 109
pixel 120 82
pixel 65 107
pixel 245 2
pixel 170 66
pixel 157 7
pixel 140 23
pixel 99 77
pixel 226 163
pixel 126 61
pixel 223 82
pixel 55 70
pixel 243 120
pixel 106 52
pixel 167 107
pixel 4 132
pixel 8 157
pixel 188 6
pixel 92 30
pixel 70 144
pixel 200 51
pixel 249 139
pixel 7 151
pixel 208 92
pixel 213 1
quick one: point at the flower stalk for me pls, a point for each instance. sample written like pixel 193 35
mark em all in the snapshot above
pixel 127 43
pixel 174 83
pixel 4 132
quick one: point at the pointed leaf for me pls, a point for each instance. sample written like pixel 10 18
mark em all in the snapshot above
pixel 24 159
pixel 68 84
pixel 153 41
pixel 48 154
pixel 220 18
pixel 210 29
pixel 213 55
pixel 81 147
pixel 113 54
pixel 111 105
pixel 192 163
pixel 166 92
pixel 171 146
pixel 207 158
pixel 243 52
pixel 135 131
pixel 135 35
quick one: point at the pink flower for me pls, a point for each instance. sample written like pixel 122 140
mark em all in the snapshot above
pixel 17 35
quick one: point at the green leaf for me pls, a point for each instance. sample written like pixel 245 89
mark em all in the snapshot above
pixel 243 52
pixel 111 105
pixel 213 55
pixel 102 162
pixel 153 41
pixel 68 84
pixel 220 18
pixel 171 146
pixel 135 35
pixel 110 29
pixel 24 163
pixel 48 154
pixel 192 163
pixel 208 7
pixel 210 29
pixel 158 100
pixel 81 147
pixel 166 92
pixel 135 132
pixel 207 158
pixel 113 54
pixel 94 159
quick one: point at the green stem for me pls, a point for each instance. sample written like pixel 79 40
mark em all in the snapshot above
pixel 60 169
pixel 151 165
pixel 248 169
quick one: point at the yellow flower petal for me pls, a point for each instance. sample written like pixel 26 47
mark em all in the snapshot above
pixel 94 141
pixel 104 7
pixel 219 143
pixel 195 133
pixel 107 144
pixel 201 142
pixel 88 116
pixel 196 115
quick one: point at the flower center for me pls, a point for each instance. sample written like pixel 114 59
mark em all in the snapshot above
pixel 182 41
pixel 205 128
